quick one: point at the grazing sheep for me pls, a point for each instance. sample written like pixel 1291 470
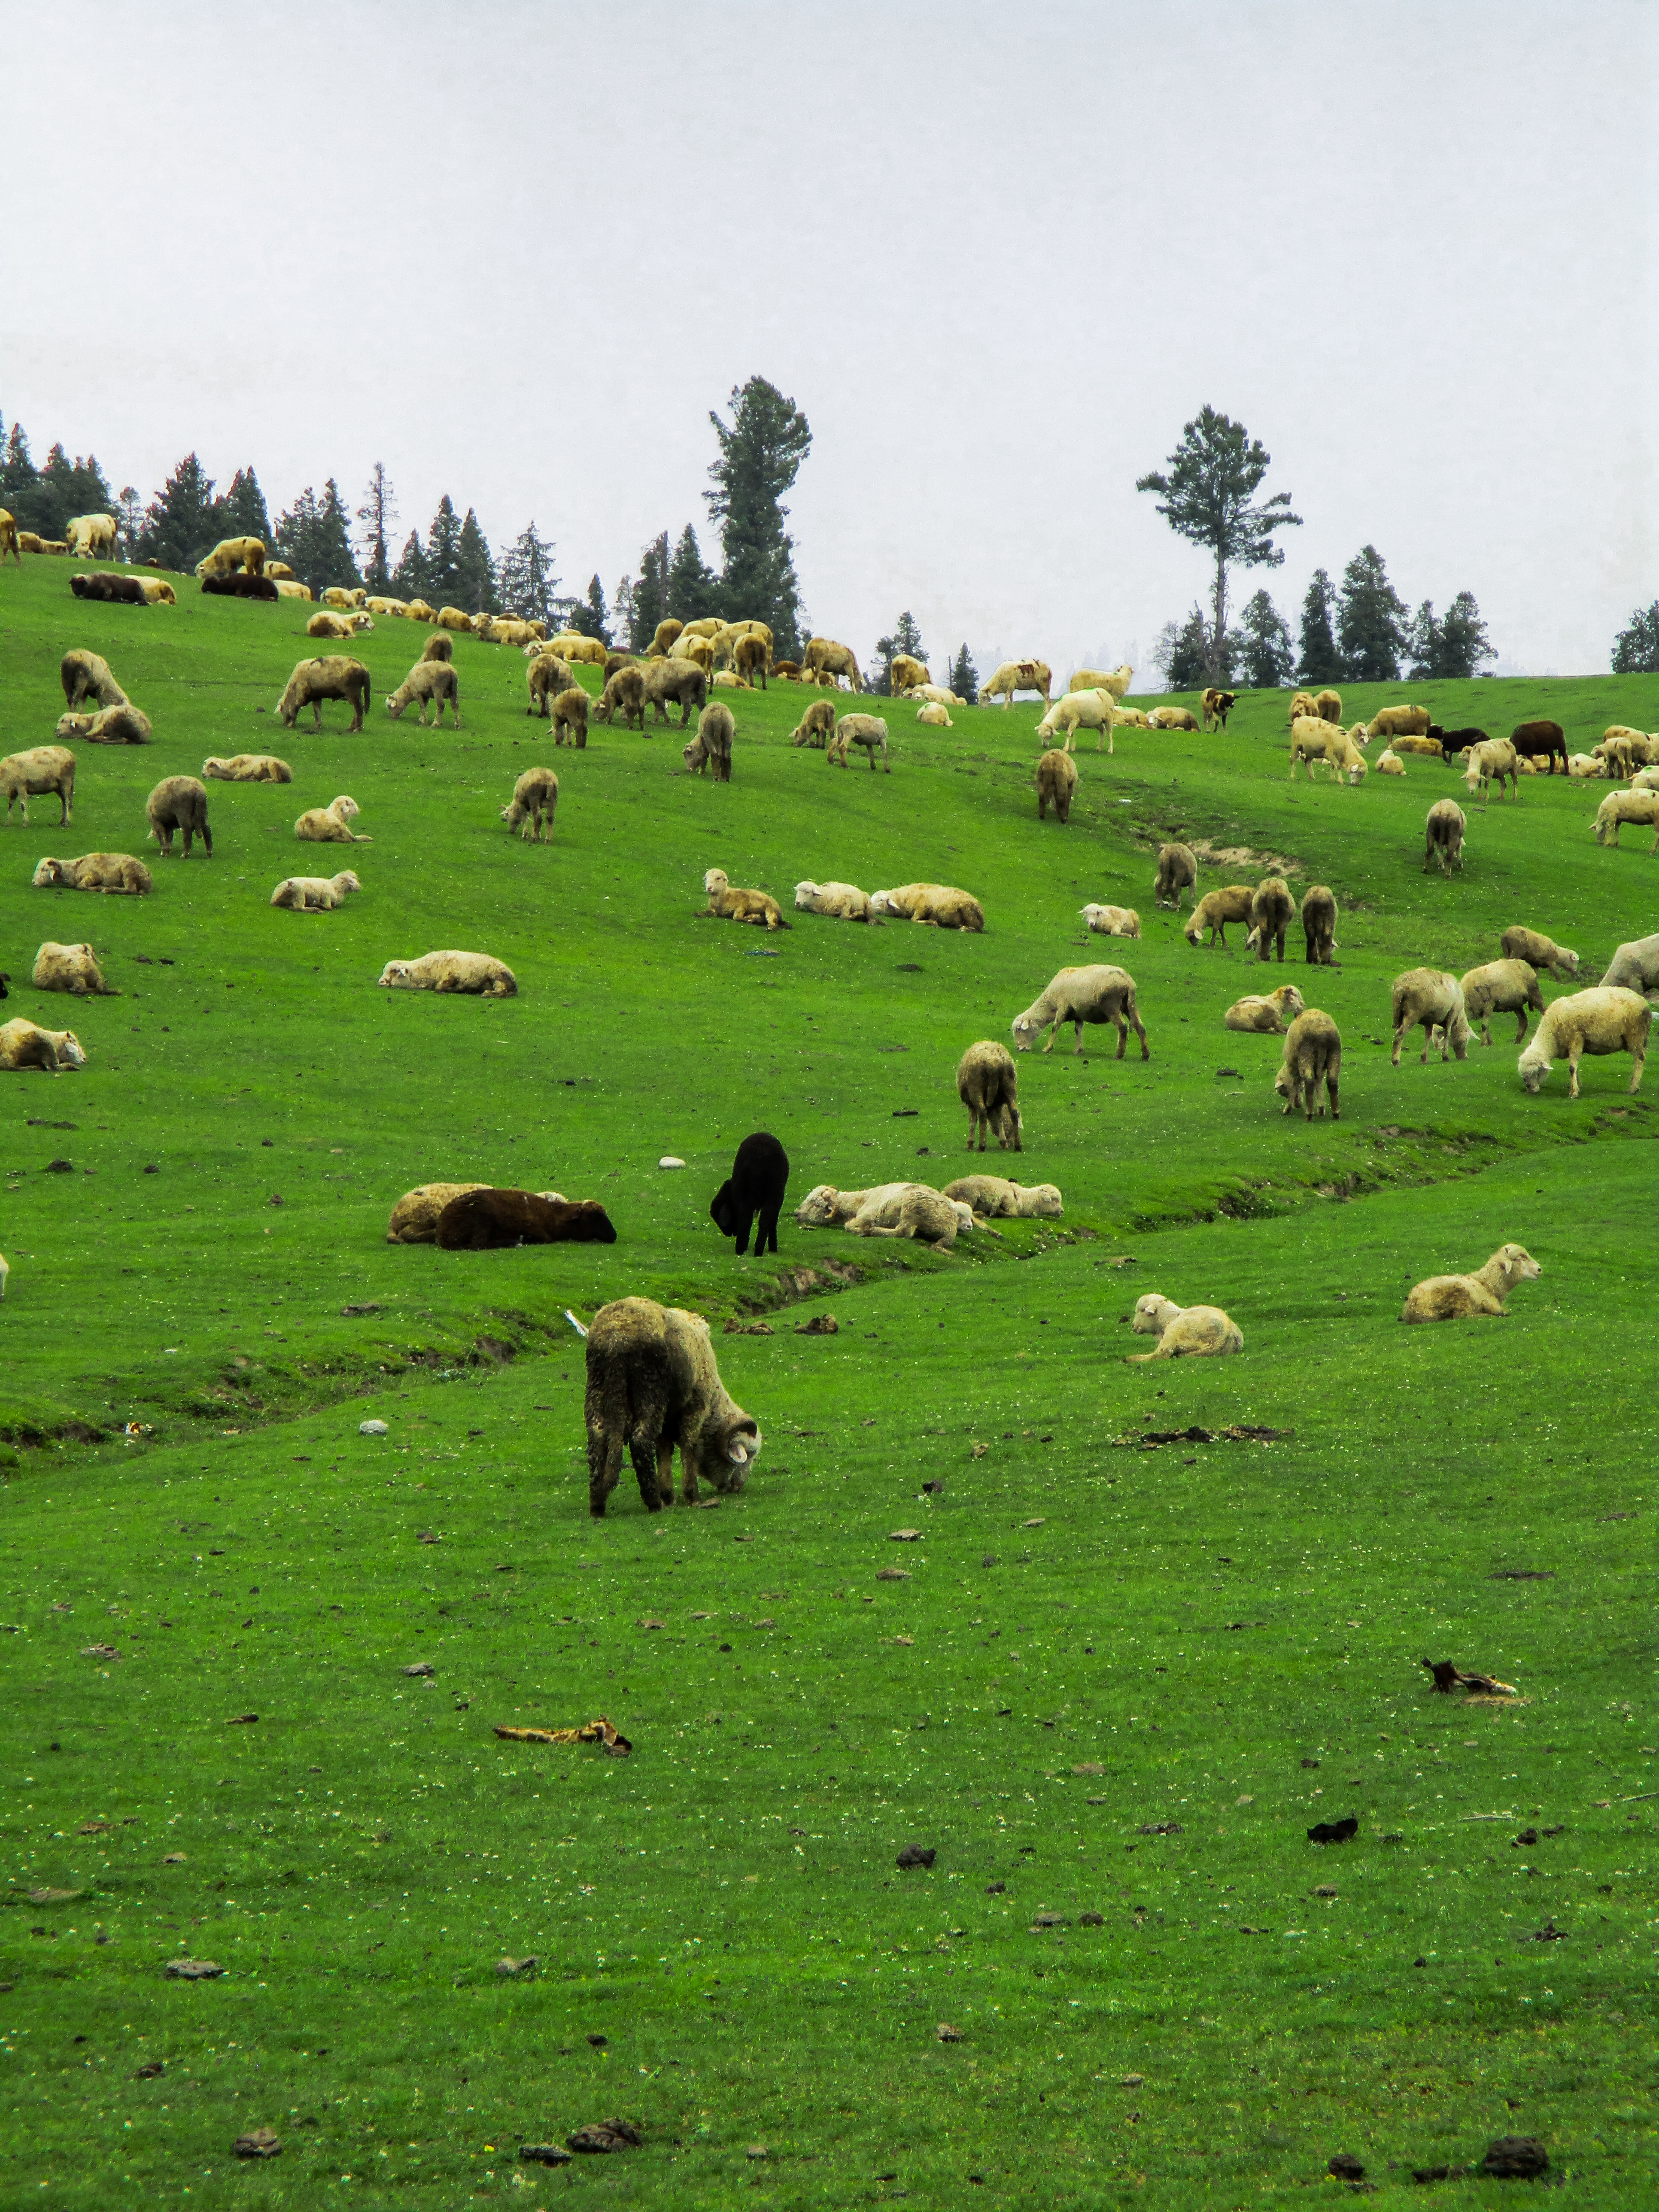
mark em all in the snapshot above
pixel 1217 706
pixel 1389 762
pixel 1495 760
pixel 1618 807
pixel 1171 717
pixel 1266 1016
pixel 331 824
pixel 749 658
pixel 248 553
pixel 1017 676
pixel 838 902
pixel 1502 986
pixel 753 1193
pixel 1079 995
pixel 1431 997
pixel 495 1221
pixel 88 676
pixel 118 873
pixel 868 732
pixel 125 725
pixel 905 671
pixel 332 676
pixel 1444 829
pixel 1182 1332
pixel 654 1384
pixel 71 968
pixel 1081 710
pixel 663 637
pixel 247 767
pixel 415 1217
pixel 535 796
pixel 1539 952
pixel 1272 912
pixel 178 802
pixel 1319 925
pixel 931 906
pixel 569 718
pixel 1111 921
pixel 713 743
pixel 1177 872
pixel 11 538
pixel 1541 741
pixel 1398 722
pixel 988 1086
pixel 825 662
pixel 1116 680
pixel 441 646
pixel 1328 705
pixel 934 717
pixel 816 726
pixel 680 681
pixel 474 973
pixel 1056 780
pixel 1216 910
pixel 433 681
pixel 316 894
pixel 697 650
pixel 727 904
pixel 1596 1021
pixel 625 688
pixel 547 678
pixel 30 775
pixel 1459 1297
pixel 1635 967
pixel 1313 1055
pixel 993 1198
pixel 1315 741
pixel 452 618
pixel 22 1044
pixel 1303 704
pixel 91 537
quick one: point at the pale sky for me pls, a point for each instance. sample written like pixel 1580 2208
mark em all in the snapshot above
pixel 998 255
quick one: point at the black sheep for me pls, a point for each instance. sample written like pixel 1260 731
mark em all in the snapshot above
pixel 239 585
pixel 755 1187
pixel 492 1220
pixel 122 591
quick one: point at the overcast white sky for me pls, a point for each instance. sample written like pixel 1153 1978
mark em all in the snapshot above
pixel 998 255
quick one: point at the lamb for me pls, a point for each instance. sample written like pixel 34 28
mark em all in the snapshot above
pixel 727 904
pixel 1635 967
pixel 248 553
pixel 331 825
pixel 825 662
pixel 1445 827
pixel 680 681
pixel 117 873
pixel 1597 1021
pixel 88 676
pixel 1399 722
pixel 1177 872
pixel 452 618
pixel 30 775
pixel 1111 921
pixel 712 744
pixel 71 968
pixel 1217 706
pixel 125 725
pixel 547 678
pixel 993 1198
pixel 1459 1297
pixel 905 671
pixel 429 680
pixel 653 1383
pixel 178 802
pixel 1621 806
pixel 817 725
pixel 474 973
pixel 1272 912
pixel 1189 1332
pixel 663 637
pixel 625 688
pixel 1172 718
pixel 1502 986
pixel 535 796
pixel 489 1220
pixel 22 1044
pixel 1434 999
pixel 840 902
pixel 1079 995
pixel 1215 910
pixel 1116 681
pixel 931 906
pixel 1539 952
pixel 247 767
pixel 1389 762
pixel 1081 710
pixel 1313 1055
pixel 988 1086
pixel 868 732
pixel 91 537
pixel 934 717
pixel 1496 759
pixel 1056 782
pixel 316 894
pixel 1017 676
pixel 1540 740
pixel 753 1192
pixel 1266 1016
pixel 332 675
pixel 441 646
pixel 1319 925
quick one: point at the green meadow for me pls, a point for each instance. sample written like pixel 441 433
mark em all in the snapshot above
pixel 1108 1682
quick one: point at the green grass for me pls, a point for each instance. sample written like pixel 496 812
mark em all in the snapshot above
pixel 1195 1620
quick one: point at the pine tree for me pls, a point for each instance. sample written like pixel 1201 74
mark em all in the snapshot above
pixel 179 523
pixel 1269 656
pixel 650 602
pixel 761 453
pixel 589 617
pixel 69 488
pixel 1463 640
pixel 20 481
pixel 130 509
pixel 476 569
pixel 1636 648
pixel 621 612
pixel 313 539
pixel 906 638
pixel 693 589
pixel 409 578
pixel 1184 655
pixel 964 677
pixel 1318 661
pixel 1371 620
pixel 241 512
pixel 525 580
pixel 443 551
pixel 377 517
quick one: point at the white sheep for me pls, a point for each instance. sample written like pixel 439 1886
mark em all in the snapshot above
pixel 1455 1298
pixel 1640 807
pixel 1389 762
pixel 1080 710
pixel 1111 921
pixel 840 902
pixel 24 1044
pixel 1194 1332
pixel 474 972
pixel 883 1209
pixel 995 1198
pixel 315 894
pixel 934 716
pixel 71 968
pixel 1434 999
pixel 331 824
pixel 1502 986
pixel 1079 995
pixel 1269 1015
pixel 1635 967
pixel 1596 1021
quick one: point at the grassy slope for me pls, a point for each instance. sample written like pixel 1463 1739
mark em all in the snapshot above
pixel 775 1986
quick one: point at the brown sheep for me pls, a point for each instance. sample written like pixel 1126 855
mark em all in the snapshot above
pixel 1502 986
pixel 1313 1055
pixel 178 802
pixel 868 732
pixel 433 682
pixel 749 658
pixel 30 775
pixel 1303 705
pixel 1216 910
pixel 88 676
pixel 1056 782
pixel 1177 872
pixel 816 726
pixel 547 677
pixel 713 743
pixel 614 660
pixel 1444 831
pixel 904 672
pixel 535 795
pixel 987 1085
pixel 726 903
pixel 441 646
pixel 625 688
pixel 824 661
pixel 332 676
pixel 653 1383
pixel 570 718
pixel 1319 925
pixel 1272 912
pixel 1217 706
pixel 491 1220
pixel 680 681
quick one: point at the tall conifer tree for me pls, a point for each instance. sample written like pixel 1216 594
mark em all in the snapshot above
pixel 761 452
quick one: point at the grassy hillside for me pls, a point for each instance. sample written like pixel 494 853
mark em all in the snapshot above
pixel 1171 1633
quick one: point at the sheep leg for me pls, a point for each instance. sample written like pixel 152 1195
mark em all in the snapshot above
pixel 1122 1035
pixel 766 1233
pixel 1520 1028
pixel 1573 1051
pixel 1639 1053
pixel 645 1454
pixel 665 1472
pixel 745 1221
pixel 605 1451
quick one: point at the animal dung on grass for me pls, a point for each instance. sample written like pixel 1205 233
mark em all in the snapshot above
pixel 1345 2168
pixel 545 2154
pixel 517 1969
pixel 606 2135
pixel 945 2032
pixel 894 1575
pixel 915 1855
pixel 1515 2158
pixel 421 1667
pixel 194 1970
pixel 903 1535
pixel 260 2142
pixel 1449 1677
pixel 1334 1831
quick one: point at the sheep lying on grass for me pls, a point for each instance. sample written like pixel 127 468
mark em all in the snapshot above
pixel 1172 718
pixel 1455 1298
pixel 1502 986
pixel 988 1086
pixel 247 767
pixel 24 1044
pixel 1596 1021
pixel 415 1217
pixel 180 803
pixel 840 902
pixel 535 795
pixel 888 1209
pixel 1111 921
pixel 993 1198
pixel 331 824
pixel 1080 996
pixel 726 903
pixel 1389 762
pixel 1313 1055
pixel 494 1220
pixel 935 906
pixel 475 972
pixel 71 968
pixel 1182 1332
pixel 1266 1016
pixel 111 726
pixel 1319 925
pixel 315 894
pixel 923 1214
pixel 1431 997
pixel 1177 872
pixel 654 1384
pixel 116 873
pixel 933 716
pixel 430 682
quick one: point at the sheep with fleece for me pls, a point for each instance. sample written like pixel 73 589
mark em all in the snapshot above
pixel 1645 778
pixel 1327 705
pixel 415 1217
pixel 924 1215
pixel 816 726
pixel 10 539
pixel 1115 681
pixel 1080 710
pixel 1177 872
pixel 535 796
pixel 1519 943
pixel 24 1044
pixel 931 906
pixel 933 717
pixel 727 904
pixel 880 1208
pixel 1080 996
pixel 654 1384
pixel 993 1198
pixel 696 650
pixel 431 682
pixel 1216 910
pixel 316 894
pixel 1427 748
pixel 1172 718
pixel 905 671
pixel 116 874
pixel 345 595
pixel 1319 925
pixel 1399 722
pixel 838 902
pixel 663 637
pixel 1641 807
pixel 1635 967
pixel 1444 831
pixel 1312 1055
pixel 868 732
pixel 474 973
pixel 1389 762
pixel 125 725
pixel 1272 912
pixel 246 553
pixel 88 676
pixel 1431 998
pixel 569 718
pixel 1502 986
pixel 987 1085
pixel 681 682
pixel 32 774
pixel 180 803
pixel 1111 921
pixel 1017 676
pixel 453 618
pixel 441 646
pixel 1217 706
pixel 1585 768
pixel 625 688
pixel 1597 1021
pixel 91 537
pixel 247 767
pixel 712 745
pixel 1268 1016
pixel 420 610
pixel 826 661
pixel 547 678
pixel 278 571
pixel 1301 705
pixel 1460 1298
pixel 1056 782
pixel 751 657
pixel 377 605
pixel 935 695
pixel 340 627
pixel 287 588
pixel 1495 761
pixel 1182 1332
pixel 1315 741
pixel 494 1220
pixel 71 968
pixel 331 676
pixel 331 824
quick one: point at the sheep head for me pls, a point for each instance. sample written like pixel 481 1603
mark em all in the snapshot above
pixel 1153 1315
pixel 1533 1066
pixel 716 879
pixel 1516 1264
pixel 70 1051
pixel 817 1210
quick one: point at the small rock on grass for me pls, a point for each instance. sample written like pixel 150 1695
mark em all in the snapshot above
pixel 521 1967
pixel 545 2154
pixel 915 1855
pixel 605 2135
pixel 905 1535
pixel 1515 2158
pixel 372 1429
pixel 194 1970
pixel 1091 1919
pixel 1334 1831
pixel 1131 2081
pixel 1346 2166
pixel 260 2143
pixel 893 1575
pixel 421 1667
pixel 820 1325
pixel 754 2150
pixel 947 2034
pixel 57 1896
